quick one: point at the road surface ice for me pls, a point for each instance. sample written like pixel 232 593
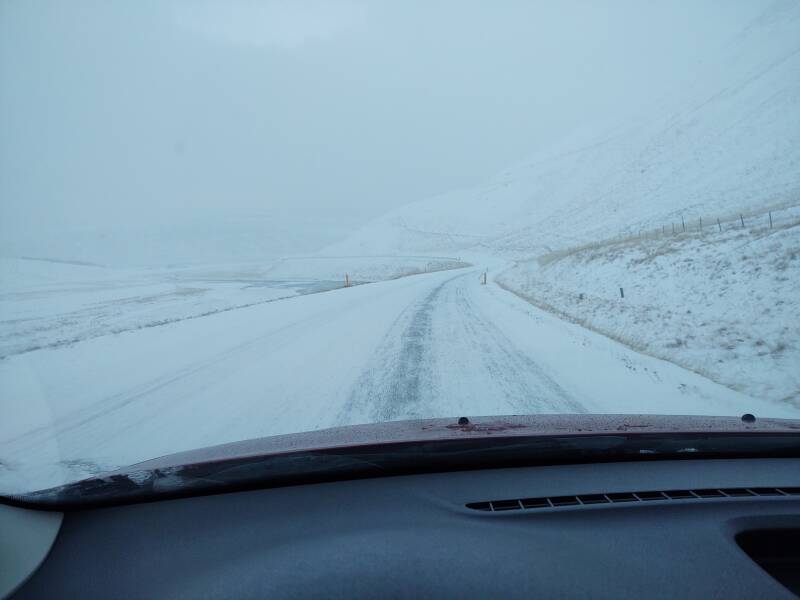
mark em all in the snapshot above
pixel 432 345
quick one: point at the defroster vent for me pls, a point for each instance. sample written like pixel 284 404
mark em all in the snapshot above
pixel 617 497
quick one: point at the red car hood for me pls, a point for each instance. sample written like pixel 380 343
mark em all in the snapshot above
pixel 432 430
pixel 424 446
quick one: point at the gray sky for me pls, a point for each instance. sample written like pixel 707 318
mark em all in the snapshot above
pixel 298 120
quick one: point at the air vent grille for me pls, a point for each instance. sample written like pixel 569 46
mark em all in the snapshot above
pixel 617 497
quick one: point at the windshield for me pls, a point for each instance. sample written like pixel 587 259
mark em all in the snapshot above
pixel 227 220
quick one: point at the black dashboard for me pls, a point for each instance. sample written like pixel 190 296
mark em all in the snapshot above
pixel 663 529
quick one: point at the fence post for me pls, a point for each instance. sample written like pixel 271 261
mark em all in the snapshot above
pixel 683 223
pixel 673 229
pixel 770 219
pixel 719 225
pixel 741 217
pixel 621 293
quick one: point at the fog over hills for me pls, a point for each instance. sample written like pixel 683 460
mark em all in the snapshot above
pixel 172 133
pixel 727 142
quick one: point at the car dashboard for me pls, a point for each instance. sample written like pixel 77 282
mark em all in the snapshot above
pixel 658 529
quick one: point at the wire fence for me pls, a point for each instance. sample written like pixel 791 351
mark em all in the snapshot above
pixel 767 220
pixel 680 226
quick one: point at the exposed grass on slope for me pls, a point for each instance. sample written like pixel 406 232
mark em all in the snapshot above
pixel 723 304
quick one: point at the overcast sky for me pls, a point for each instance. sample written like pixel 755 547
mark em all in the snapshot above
pixel 311 116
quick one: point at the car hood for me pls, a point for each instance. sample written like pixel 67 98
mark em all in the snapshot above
pixel 431 430
pixel 427 445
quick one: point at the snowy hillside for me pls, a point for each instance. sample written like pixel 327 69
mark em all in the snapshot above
pixel 729 141
pixel 722 303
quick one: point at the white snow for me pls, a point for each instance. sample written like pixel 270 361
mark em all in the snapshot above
pixel 46 304
pixel 727 143
pixel 724 304
pixel 321 360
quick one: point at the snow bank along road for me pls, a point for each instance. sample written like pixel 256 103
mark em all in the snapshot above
pixel 432 345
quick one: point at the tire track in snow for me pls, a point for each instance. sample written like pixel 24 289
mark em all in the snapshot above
pixel 441 339
pixel 394 385
pixel 520 379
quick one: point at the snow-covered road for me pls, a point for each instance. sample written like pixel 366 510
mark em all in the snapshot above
pixel 433 345
pixel 445 355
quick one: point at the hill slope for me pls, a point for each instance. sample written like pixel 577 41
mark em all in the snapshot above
pixel 728 142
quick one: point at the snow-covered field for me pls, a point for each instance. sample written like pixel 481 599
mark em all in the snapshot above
pixel 723 303
pixel 47 304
